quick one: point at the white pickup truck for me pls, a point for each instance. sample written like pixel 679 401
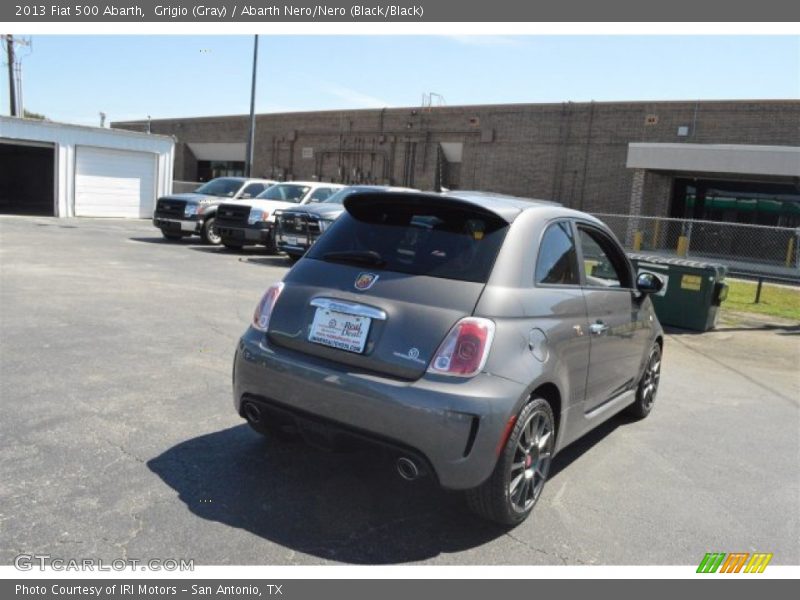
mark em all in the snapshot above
pixel 252 222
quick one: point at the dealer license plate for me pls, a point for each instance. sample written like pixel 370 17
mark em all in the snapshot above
pixel 294 240
pixel 339 330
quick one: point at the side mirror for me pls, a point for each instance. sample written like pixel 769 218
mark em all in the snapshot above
pixel 649 283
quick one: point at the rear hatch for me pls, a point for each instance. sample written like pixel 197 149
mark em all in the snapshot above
pixel 382 288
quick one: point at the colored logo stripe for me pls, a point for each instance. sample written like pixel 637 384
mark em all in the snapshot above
pixel 733 562
pixel 711 562
pixel 758 562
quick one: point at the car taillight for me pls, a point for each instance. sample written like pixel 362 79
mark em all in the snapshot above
pixel 264 309
pixel 464 351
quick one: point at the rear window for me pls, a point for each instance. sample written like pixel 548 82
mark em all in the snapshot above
pixel 415 237
pixel 338 197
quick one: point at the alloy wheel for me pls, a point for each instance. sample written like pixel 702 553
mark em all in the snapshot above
pixel 211 234
pixel 652 375
pixel 531 464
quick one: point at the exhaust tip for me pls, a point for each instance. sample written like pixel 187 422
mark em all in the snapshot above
pixel 252 413
pixel 407 468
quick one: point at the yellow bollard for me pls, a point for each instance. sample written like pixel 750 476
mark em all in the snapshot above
pixel 683 245
pixel 637 241
pixel 790 252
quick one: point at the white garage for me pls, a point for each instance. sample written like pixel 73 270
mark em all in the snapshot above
pixel 87 171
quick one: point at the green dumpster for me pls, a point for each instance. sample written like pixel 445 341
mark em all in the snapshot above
pixel 692 293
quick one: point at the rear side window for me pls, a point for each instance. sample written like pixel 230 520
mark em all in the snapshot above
pixel 416 237
pixel 320 194
pixel 557 262
pixel 253 190
pixel 285 192
pixel 339 196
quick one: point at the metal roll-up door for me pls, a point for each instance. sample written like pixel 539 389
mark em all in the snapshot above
pixel 114 183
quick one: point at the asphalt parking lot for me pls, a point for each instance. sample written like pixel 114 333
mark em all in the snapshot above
pixel 119 438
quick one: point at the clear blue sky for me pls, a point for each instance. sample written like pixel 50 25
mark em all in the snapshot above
pixel 72 78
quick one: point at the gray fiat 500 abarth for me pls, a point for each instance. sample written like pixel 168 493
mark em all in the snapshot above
pixel 474 335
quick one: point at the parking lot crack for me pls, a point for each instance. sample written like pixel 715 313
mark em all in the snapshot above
pixel 738 372
pixel 564 560
pixel 124 450
pixel 139 526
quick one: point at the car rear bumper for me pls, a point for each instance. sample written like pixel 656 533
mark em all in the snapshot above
pixel 453 425
pixel 177 225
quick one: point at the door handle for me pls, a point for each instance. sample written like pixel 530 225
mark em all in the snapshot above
pixel 598 328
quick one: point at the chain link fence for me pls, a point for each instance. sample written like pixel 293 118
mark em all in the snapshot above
pixel 757 250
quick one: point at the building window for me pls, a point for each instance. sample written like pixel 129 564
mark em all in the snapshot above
pixel 757 203
pixel 211 169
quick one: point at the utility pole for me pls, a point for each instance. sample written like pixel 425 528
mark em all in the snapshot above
pixel 20 100
pixel 248 165
pixel 12 88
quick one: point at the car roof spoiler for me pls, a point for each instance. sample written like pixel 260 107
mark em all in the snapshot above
pixel 506 208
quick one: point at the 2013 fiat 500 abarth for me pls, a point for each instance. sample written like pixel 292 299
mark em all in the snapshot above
pixel 474 335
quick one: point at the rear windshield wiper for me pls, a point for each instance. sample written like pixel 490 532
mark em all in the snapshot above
pixel 368 257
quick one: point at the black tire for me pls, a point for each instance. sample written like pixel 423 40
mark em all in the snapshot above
pixel 234 247
pixel 172 237
pixel 648 385
pixel 516 483
pixel 209 233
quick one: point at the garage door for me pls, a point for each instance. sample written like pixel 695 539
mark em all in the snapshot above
pixel 26 178
pixel 114 183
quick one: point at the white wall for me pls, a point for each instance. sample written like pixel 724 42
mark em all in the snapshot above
pixel 716 158
pixel 67 137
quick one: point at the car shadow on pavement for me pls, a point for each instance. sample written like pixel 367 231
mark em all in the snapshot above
pixel 187 241
pixel 585 443
pixel 270 261
pixel 347 507
pixel 249 254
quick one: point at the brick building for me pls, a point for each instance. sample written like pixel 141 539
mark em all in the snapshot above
pixel 721 160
